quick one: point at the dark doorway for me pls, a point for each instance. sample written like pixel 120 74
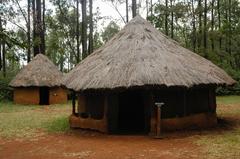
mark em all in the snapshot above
pixel 131 113
pixel 44 96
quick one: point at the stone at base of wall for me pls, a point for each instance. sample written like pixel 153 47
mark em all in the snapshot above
pixel 201 120
pixel 88 123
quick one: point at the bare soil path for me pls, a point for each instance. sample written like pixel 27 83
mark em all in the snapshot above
pixel 85 145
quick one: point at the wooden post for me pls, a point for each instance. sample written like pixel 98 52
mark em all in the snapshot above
pixel 73 102
pixel 158 120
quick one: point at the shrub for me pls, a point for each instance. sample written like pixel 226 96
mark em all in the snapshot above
pixel 6 92
pixel 234 90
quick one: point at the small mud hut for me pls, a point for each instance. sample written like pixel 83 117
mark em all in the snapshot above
pixel 39 82
pixel 119 84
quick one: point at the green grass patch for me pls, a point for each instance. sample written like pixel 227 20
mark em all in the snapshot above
pixel 224 143
pixel 60 124
pixel 228 99
pixel 28 120
pixel 8 107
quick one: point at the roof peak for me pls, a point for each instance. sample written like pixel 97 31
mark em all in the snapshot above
pixel 140 55
pixel 137 18
pixel 40 71
pixel 40 55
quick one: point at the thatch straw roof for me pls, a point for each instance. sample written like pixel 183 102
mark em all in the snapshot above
pixel 140 55
pixel 39 72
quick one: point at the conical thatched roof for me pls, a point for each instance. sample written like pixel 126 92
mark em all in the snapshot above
pixel 140 55
pixel 39 72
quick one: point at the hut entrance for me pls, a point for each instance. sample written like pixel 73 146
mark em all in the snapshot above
pixel 131 112
pixel 44 96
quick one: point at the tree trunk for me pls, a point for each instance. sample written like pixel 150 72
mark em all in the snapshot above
pixel 90 50
pixel 38 31
pixel 84 29
pixel 28 31
pixel 230 31
pixel 34 25
pixel 200 25
pixel 194 26
pixel 166 17
pixel 127 11
pixel 43 29
pixel 61 62
pixel 151 5
pixel 205 30
pixel 226 18
pixel 147 8
pixel 171 3
pixel 134 8
pixel 4 59
pixel 1 44
pixel 0 54
pixel 37 47
pixel 2 50
pixel 212 25
pixel 77 33
pixel 219 24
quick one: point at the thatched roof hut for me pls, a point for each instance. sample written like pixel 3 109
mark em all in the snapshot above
pixel 40 76
pixel 140 55
pixel 39 72
pixel 150 68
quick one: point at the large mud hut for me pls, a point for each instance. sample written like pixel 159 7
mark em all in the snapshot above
pixel 39 82
pixel 119 84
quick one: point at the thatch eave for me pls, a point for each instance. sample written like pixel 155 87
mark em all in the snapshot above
pixel 151 87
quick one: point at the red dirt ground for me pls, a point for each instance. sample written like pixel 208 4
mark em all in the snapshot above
pixel 79 144
pixel 85 145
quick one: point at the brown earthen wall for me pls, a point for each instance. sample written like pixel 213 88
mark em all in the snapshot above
pixel 81 103
pixel 201 120
pixel 95 108
pixel 29 95
pixel 57 95
pixel 91 104
pixel 195 121
pixel 88 123
pixel 191 111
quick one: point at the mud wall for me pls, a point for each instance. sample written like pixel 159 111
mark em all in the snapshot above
pixel 192 108
pixel 197 101
pixel 29 95
pixel 57 95
pixel 95 105
pixel 173 102
pixel 81 104
pixel 92 105
pixel 88 123
pixel 184 102
pixel 91 112
pixel 183 108
pixel 196 121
